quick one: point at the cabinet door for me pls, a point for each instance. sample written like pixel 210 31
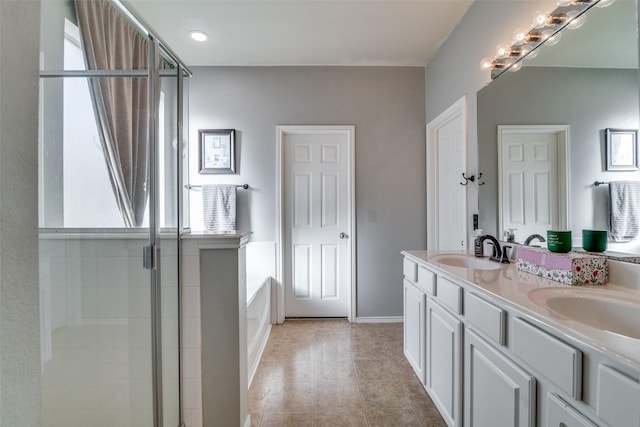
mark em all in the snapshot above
pixel 560 414
pixel 414 325
pixel 444 346
pixel 618 398
pixel 498 392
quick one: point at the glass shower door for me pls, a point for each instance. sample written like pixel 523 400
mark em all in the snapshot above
pixel 95 310
pixel 109 316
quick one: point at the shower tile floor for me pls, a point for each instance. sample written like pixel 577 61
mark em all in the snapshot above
pixel 320 373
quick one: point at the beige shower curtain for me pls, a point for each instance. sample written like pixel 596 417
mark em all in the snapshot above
pixel 121 103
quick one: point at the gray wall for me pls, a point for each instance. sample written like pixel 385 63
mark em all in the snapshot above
pixel 589 100
pixel 19 313
pixel 455 70
pixel 385 104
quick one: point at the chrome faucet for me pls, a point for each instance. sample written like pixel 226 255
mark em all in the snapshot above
pixel 533 237
pixel 497 254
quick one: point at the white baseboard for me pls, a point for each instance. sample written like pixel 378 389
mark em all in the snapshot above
pixel 385 319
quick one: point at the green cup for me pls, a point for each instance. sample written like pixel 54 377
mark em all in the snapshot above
pixel 594 240
pixel 559 241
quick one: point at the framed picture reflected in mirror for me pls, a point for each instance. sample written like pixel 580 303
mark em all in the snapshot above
pixel 621 147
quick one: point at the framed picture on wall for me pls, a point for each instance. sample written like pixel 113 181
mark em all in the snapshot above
pixel 217 151
pixel 621 149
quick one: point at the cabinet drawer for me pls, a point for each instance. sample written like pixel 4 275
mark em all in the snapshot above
pixel 485 317
pixel 427 280
pixel 558 362
pixel 450 295
pixel 561 414
pixel 618 398
pixel 410 270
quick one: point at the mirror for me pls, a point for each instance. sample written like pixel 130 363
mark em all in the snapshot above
pixel 588 83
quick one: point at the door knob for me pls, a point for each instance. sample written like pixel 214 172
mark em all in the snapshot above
pixel 343 235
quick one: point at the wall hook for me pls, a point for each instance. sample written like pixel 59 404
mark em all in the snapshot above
pixel 471 178
pixel 466 178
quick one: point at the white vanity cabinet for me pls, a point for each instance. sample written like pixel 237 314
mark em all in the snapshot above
pixel 444 361
pixel 498 392
pixel 487 358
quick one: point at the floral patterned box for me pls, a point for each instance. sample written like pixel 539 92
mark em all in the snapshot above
pixel 572 268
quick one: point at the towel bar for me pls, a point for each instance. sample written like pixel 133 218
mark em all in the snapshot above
pixel 189 186
pixel 599 183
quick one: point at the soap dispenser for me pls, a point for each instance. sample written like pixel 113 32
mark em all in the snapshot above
pixel 477 244
pixel 510 235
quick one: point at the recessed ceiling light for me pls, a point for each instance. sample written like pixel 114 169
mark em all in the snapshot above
pixel 199 36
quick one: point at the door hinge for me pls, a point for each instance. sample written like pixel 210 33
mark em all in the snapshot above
pixel 148 257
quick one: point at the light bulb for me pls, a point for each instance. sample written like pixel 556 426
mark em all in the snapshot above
pixel 577 22
pixel 525 50
pixel 604 3
pixel 552 39
pixel 540 18
pixel 486 63
pixel 519 36
pixel 503 50
pixel 515 67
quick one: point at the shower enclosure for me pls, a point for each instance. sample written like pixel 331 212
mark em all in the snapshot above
pixel 110 174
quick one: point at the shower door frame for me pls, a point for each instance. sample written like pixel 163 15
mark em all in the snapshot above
pixel 152 256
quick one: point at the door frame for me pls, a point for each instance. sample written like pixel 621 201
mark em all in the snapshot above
pixel 457 110
pixel 563 167
pixel 281 131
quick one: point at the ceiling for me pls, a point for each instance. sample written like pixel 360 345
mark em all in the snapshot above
pixel 303 32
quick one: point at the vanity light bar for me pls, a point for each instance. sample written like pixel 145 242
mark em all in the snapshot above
pixel 545 29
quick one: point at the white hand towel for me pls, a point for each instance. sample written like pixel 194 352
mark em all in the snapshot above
pixel 219 208
pixel 624 210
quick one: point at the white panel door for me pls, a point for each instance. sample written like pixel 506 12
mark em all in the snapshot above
pixel 529 165
pixel 316 224
pixel 451 195
pixel 446 198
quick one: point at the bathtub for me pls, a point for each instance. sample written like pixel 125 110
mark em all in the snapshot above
pixel 258 324
pixel 260 270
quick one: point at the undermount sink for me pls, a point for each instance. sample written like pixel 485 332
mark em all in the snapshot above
pixel 611 311
pixel 466 261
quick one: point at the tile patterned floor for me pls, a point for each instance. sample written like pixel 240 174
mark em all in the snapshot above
pixel 319 373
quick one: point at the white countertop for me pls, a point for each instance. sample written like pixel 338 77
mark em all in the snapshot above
pixel 511 288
